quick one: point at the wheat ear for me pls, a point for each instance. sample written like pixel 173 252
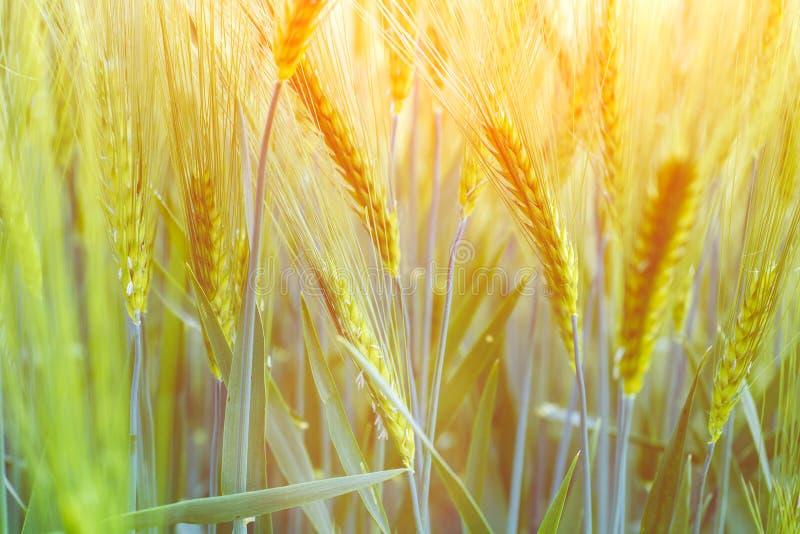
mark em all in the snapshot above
pixel 400 27
pixel 663 235
pixel 354 327
pixel 293 33
pixel 739 353
pixel 368 197
pixel 609 108
pixel 472 182
pixel 533 207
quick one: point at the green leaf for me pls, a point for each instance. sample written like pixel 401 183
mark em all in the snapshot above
pixel 210 510
pixel 341 433
pixel 462 378
pixel 286 443
pixel 481 434
pixel 681 521
pixel 661 502
pixel 174 296
pixel 463 316
pixel 754 424
pixel 552 516
pixel 465 504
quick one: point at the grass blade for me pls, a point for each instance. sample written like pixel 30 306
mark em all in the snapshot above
pixel 467 508
pixel 661 502
pixel 552 517
pixel 683 508
pixel 463 376
pixel 341 433
pixel 287 445
pixel 252 503
pixel 222 351
pixel 754 424
pixel 481 434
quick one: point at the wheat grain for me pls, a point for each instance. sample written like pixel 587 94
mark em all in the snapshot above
pixel 130 159
pixel 664 232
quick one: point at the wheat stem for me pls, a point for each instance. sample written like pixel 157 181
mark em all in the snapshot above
pixel 515 491
pixel 698 518
pixel 563 442
pixel 3 505
pixel 722 510
pixel 604 399
pixel 429 260
pixel 621 466
pixel 214 457
pixel 134 415
pixel 392 156
pixel 412 486
pixel 248 326
pixel 433 403
pixel 587 473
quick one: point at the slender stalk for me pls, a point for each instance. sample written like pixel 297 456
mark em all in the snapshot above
pixel 147 444
pixel 214 456
pixel 519 454
pixel 134 416
pixel 698 518
pixel 413 185
pixel 722 509
pixel 587 472
pixel 563 442
pixel 427 316
pixel 623 434
pixel 604 386
pixel 433 405
pixel 248 329
pixel 412 485
pixel 3 502
pixel 392 155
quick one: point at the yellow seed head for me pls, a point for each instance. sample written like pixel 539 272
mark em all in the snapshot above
pixel 663 235
pixel 739 353
pixel 533 207
pixel 472 182
pixel 354 327
pixel 293 33
pixel 366 192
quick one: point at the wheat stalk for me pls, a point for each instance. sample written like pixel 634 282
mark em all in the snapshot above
pixel 664 233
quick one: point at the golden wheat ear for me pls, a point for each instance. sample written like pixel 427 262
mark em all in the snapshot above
pixel 293 31
pixel 663 235
pixel 366 193
pixel 353 326
pixel 129 144
pixel 531 204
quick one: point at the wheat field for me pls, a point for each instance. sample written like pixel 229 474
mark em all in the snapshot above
pixel 399 266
